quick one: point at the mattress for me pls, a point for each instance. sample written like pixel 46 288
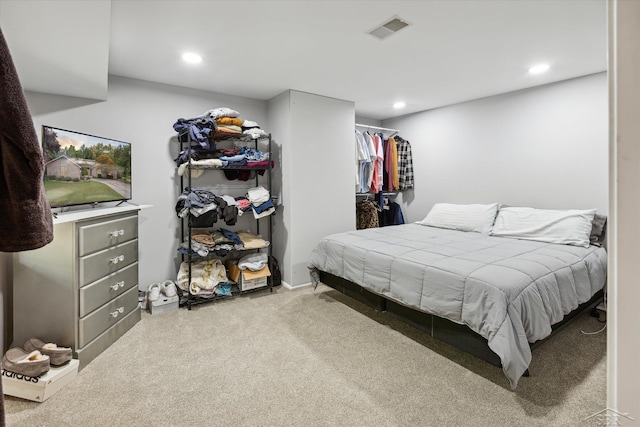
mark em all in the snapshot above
pixel 510 291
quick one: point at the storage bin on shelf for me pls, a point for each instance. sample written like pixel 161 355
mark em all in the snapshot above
pixel 247 279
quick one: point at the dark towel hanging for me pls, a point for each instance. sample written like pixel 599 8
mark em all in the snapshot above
pixel 25 214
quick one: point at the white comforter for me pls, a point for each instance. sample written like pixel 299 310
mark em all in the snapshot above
pixel 510 291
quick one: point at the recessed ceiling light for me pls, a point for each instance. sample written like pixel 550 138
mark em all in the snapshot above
pixel 540 68
pixel 191 58
pixel 399 104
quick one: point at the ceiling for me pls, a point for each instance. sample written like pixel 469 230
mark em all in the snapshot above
pixel 452 51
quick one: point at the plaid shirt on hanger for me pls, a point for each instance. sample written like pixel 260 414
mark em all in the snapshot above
pixel 405 163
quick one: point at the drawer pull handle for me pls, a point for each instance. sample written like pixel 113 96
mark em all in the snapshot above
pixel 117 259
pixel 120 310
pixel 117 286
pixel 117 233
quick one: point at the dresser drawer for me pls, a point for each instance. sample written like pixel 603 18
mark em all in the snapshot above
pixel 97 293
pixel 93 237
pixel 109 314
pixel 103 263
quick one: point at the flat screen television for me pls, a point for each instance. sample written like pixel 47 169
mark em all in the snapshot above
pixel 84 169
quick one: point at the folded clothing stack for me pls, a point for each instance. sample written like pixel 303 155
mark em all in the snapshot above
pixel 204 207
pixel 253 262
pixel 221 242
pixel 228 121
pixel 261 203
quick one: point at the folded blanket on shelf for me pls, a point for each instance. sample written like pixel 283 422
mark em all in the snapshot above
pixel 234 121
pixel 253 262
pixel 251 241
pixel 216 113
pixel 230 127
pixel 204 275
pixel 222 129
pixel 203 236
pixel 211 163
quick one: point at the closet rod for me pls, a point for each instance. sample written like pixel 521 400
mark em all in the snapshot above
pixel 384 194
pixel 376 127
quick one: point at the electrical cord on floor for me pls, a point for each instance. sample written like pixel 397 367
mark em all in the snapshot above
pixel 595 332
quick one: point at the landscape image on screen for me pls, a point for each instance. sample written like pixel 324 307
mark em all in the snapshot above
pixel 83 169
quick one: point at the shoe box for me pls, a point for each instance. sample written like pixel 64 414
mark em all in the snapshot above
pixel 247 279
pixel 163 303
pixel 40 388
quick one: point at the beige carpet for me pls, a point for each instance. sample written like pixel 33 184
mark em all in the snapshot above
pixel 310 358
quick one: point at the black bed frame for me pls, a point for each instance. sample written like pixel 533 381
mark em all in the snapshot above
pixel 460 336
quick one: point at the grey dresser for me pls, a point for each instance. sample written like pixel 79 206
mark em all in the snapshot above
pixel 81 290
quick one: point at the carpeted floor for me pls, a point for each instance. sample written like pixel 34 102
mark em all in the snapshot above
pixel 313 358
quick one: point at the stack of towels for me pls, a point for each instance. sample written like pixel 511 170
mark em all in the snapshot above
pixel 261 203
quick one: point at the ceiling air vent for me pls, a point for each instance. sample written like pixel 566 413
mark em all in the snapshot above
pixel 388 28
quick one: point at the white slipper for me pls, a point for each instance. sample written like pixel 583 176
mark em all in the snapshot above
pixel 58 355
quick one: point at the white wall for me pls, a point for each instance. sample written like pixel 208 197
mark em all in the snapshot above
pixel 543 147
pixel 361 120
pixel 279 118
pixel 323 171
pixel 315 134
pixel 143 113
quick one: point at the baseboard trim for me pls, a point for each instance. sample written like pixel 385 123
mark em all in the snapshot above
pixel 292 288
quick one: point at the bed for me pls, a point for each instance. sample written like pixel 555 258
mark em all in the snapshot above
pixel 491 295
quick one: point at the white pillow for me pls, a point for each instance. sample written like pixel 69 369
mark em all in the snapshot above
pixel 568 227
pixel 462 217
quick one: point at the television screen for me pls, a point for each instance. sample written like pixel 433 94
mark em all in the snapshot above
pixel 83 169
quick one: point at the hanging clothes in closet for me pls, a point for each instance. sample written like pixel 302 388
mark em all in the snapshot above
pixel 365 157
pixel 384 167
pixel 391 179
pixel 405 164
pixel 366 215
pixel 390 214
pixel 377 180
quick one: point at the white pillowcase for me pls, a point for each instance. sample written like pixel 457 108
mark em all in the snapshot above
pixel 462 217
pixel 568 227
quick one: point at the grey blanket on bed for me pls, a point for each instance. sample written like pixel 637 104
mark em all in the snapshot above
pixel 509 291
